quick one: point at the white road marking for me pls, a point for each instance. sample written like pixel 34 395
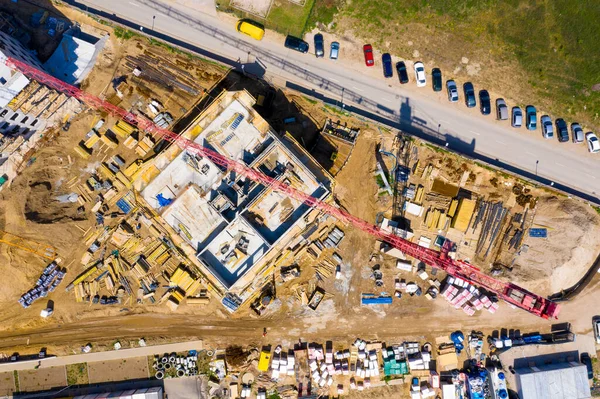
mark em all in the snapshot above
pixel 592 176
pixel 500 142
pixel 334 80
pixel 559 164
pixel 387 100
pixel 474 132
pixel 357 89
pixel 134 4
pixel 530 153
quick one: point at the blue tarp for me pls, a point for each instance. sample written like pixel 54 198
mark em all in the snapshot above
pixel 382 300
pixel 541 233
pixel 124 206
pixel 162 201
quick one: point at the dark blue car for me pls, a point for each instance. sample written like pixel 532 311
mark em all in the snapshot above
pixel 386 60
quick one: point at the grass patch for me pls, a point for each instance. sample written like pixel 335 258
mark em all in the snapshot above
pixel 551 46
pixel 124 34
pixel 77 374
pixel 289 18
pixel 310 100
pixel 16 376
pixel 437 149
pixel 322 14
pixel 597 209
pixel 334 110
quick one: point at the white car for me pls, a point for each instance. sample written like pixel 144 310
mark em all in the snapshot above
pixel 420 74
pixel 596 323
pixel 592 142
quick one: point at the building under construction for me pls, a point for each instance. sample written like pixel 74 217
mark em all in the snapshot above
pixel 234 226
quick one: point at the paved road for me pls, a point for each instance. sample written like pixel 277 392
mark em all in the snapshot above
pixel 413 110
pixel 102 356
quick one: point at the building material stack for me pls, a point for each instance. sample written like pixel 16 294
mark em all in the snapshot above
pixel 467 297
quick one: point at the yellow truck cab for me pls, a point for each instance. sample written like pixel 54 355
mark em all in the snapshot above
pixel 251 28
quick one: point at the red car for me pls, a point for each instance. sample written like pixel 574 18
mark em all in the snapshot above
pixel 368 50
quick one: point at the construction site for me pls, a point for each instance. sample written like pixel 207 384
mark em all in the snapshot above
pixel 159 191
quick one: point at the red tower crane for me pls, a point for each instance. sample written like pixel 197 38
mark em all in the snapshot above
pixel 509 292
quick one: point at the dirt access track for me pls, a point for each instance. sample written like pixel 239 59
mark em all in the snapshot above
pixel 283 327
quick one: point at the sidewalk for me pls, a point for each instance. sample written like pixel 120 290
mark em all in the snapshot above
pixel 102 356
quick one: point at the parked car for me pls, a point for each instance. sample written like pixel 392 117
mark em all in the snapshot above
pixel 319 45
pixel 593 147
pixel 452 91
pixel 436 79
pixel 334 52
pixel 296 43
pixel 251 28
pixel 386 60
pixel 596 319
pixel 402 72
pixel 547 129
pixel 517 117
pixel 577 133
pixel 587 360
pixel 420 74
pixel 485 104
pixel 368 51
pixel 469 95
pixel 530 117
pixel 501 109
pixel 561 130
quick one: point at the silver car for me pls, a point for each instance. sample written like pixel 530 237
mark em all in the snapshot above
pixel 547 128
pixel 577 133
pixel 452 91
pixel 517 117
pixel 335 51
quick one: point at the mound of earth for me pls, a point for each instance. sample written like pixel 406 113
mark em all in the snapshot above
pixel 42 206
pixel 559 261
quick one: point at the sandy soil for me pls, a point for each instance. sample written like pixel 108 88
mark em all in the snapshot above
pixel 559 261
pixel 42 379
pixel 29 209
pixel 118 370
pixel 7 383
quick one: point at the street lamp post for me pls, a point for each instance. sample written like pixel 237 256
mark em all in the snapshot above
pixel 536 166
pixel 153 18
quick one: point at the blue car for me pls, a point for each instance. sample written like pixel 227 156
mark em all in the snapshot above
pixel 530 117
pixel 386 60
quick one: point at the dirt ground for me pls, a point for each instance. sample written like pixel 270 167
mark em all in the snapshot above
pixel 29 208
pixel 118 370
pixel 7 383
pixel 42 379
pixel 559 261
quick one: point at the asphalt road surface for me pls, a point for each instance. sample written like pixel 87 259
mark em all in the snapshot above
pixel 412 110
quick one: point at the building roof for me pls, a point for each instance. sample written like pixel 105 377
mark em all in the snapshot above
pixel 232 132
pixel 184 170
pixel 74 57
pixel 192 217
pixel 234 251
pixel 554 381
